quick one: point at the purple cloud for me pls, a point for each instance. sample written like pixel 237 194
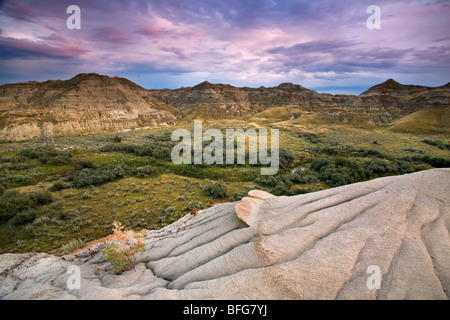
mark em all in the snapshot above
pixel 25 49
pixel 109 35
pixel 241 42
pixel 13 9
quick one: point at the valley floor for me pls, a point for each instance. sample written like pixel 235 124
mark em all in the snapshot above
pixel 55 199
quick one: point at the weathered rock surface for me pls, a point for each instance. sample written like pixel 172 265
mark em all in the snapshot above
pixel 87 103
pixel 90 103
pixel 313 246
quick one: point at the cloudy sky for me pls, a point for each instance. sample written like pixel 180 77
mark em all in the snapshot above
pixel 323 45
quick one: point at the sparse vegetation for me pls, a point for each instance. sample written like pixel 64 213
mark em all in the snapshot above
pixel 117 139
pixel 91 181
pixel 91 177
pixel 20 207
pixel 122 253
pixel 72 245
pixel 215 190
pixel 47 155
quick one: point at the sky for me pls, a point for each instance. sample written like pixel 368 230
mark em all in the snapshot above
pixel 323 45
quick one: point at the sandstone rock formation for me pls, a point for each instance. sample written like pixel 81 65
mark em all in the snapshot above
pixel 90 103
pixel 379 105
pixel 312 246
pixel 86 103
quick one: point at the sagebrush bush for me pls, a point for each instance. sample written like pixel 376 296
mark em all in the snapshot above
pixel 160 150
pixel 122 253
pixel 72 245
pixel 193 205
pixel 84 164
pixel 215 190
pixel 58 186
pixel 47 155
pixel 236 196
pixel 23 217
pixel 13 203
pixel 91 177
pixel 145 171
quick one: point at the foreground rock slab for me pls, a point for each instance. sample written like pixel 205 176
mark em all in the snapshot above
pixel 383 239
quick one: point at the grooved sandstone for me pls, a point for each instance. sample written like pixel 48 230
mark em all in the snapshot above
pixel 312 246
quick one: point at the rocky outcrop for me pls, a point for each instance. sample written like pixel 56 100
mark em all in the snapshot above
pixel 90 103
pixel 87 103
pixel 379 105
pixel 324 245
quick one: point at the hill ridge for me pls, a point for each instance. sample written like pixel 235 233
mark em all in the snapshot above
pixel 89 103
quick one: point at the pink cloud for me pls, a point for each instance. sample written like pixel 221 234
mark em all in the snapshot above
pixel 19 48
pixel 153 32
pixel 18 11
pixel 109 34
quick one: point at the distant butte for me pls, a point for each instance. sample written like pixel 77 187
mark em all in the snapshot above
pixel 92 103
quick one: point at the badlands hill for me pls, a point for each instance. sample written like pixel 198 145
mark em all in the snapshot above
pixel 314 246
pixel 90 103
pixel 83 104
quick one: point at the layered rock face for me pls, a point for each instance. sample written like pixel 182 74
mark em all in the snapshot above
pixel 323 245
pixel 85 103
pixel 379 105
pixel 91 103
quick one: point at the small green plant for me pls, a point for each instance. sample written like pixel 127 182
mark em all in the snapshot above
pixel 122 253
pixel 72 245
pixel 215 189
pixel 117 139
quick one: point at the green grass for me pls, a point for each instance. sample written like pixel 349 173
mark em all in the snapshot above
pixel 171 192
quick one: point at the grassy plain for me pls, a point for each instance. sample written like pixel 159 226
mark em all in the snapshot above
pixel 148 191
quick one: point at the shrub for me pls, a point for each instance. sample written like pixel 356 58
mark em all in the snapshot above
pixel 321 164
pixel 145 171
pixel 89 177
pixel 84 164
pixel 122 255
pixel 193 205
pixel 437 162
pixel 282 187
pixel 167 211
pixel 286 158
pixel 377 166
pixel 311 137
pixel 156 149
pixel 67 215
pixel 437 143
pixel 302 177
pixel 338 171
pixel 117 139
pixel 40 197
pixel 215 190
pixel 399 166
pixel 269 181
pixel 72 245
pixel 59 160
pixel 237 196
pixel 24 217
pixel 47 155
pixel 13 202
pixel 58 186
